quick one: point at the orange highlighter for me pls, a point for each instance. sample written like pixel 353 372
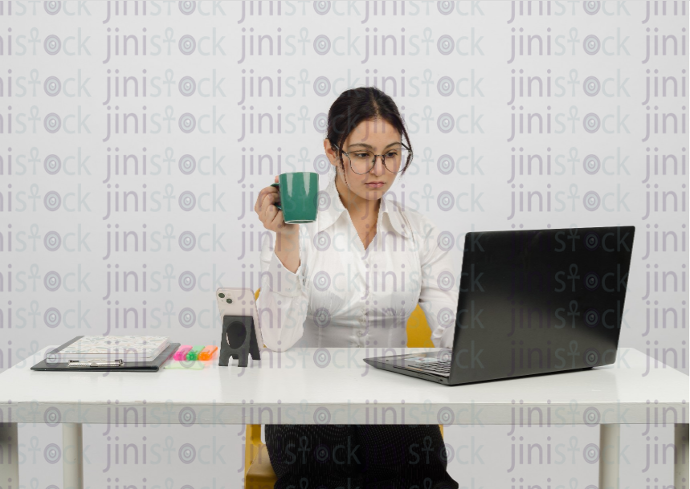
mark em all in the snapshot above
pixel 207 353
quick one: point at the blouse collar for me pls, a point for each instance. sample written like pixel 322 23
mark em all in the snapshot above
pixel 333 209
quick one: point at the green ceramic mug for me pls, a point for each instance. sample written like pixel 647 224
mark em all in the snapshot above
pixel 299 196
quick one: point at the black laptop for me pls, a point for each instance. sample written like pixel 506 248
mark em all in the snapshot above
pixel 531 302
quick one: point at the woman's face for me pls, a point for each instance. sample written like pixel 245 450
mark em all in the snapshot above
pixel 374 136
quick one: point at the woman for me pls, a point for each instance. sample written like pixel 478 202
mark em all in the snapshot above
pixel 352 279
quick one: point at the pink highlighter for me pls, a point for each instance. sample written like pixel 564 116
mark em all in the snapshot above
pixel 181 352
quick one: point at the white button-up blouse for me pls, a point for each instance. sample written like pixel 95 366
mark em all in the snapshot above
pixel 345 296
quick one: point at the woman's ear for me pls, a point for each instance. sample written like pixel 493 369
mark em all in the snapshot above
pixel 330 152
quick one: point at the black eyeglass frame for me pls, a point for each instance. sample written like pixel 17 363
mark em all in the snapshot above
pixel 373 163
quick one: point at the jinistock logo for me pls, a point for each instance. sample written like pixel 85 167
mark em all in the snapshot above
pixel 136 137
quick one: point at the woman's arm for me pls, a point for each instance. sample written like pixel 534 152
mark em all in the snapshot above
pixel 283 301
pixel 439 295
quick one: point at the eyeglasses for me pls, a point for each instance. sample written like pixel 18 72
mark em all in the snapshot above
pixel 362 161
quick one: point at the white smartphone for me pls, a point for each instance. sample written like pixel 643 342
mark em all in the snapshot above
pixel 239 302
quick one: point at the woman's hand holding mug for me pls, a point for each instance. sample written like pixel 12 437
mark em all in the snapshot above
pixel 287 235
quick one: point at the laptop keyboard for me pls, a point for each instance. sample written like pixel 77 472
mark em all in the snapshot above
pixel 440 368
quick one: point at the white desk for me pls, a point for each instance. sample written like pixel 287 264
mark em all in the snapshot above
pixel 334 385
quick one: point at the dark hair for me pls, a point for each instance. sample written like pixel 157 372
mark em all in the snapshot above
pixel 362 104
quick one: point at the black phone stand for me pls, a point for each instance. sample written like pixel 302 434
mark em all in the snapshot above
pixel 238 341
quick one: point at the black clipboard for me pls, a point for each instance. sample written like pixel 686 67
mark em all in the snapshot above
pixel 151 366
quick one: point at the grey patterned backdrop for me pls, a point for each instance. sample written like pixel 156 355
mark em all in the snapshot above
pixel 135 136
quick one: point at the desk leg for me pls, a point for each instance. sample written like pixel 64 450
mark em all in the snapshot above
pixel 680 466
pixel 9 455
pixel 609 455
pixel 72 456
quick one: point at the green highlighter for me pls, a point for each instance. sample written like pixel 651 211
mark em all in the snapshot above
pixel 194 352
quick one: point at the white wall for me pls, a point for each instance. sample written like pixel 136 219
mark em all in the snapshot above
pixel 454 85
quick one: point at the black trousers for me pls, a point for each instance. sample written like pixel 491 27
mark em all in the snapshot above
pixel 358 456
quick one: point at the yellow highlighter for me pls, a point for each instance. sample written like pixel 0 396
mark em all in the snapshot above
pixel 207 353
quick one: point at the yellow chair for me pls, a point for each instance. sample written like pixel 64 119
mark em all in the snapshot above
pixel 258 472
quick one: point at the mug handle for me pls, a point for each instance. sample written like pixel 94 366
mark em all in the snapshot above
pixel 277 185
